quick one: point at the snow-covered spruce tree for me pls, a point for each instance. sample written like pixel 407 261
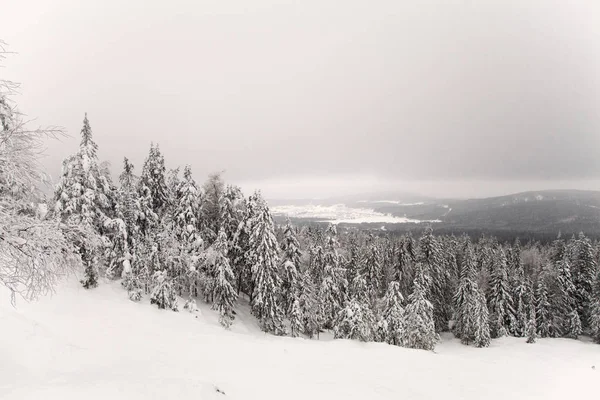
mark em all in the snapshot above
pixel 354 257
pixel 84 197
pixel 233 214
pixel 163 293
pixel 567 302
pixel 500 299
pixel 356 320
pixel 290 254
pixel 224 294
pixel 333 288
pixel 429 254
pixel 266 282
pixel 186 212
pixel 543 307
pixel 116 253
pixel 239 251
pixel 595 310
pixel 393 314
pixel 471 313
pixel 595 321
pixel 371 269
pixel 153 185
pixel 405 267
pixel 418 324
pixel 128 201
pixel 307 303
pixel 531 330
pixel 173 183
pixel 212 206
pixel 316 264
pixel 583 271
pixel 521 291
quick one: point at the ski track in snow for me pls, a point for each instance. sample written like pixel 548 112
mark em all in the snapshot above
pixel 97 344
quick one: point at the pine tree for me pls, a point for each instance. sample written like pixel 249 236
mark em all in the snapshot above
pixel 224 295
pixel 418 324
pixel 266 281
pixel 393 314
pixel 471 314
pixel 500 299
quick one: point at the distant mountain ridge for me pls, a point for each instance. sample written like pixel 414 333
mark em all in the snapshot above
pixel 543 211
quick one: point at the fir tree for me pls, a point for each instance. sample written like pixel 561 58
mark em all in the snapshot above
pixel 418 324
pixel 224 295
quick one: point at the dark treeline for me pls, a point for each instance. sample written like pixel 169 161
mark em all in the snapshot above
pixel 169 238
pixel 504 235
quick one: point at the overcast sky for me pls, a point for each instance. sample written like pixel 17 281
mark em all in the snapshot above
pixel 309 98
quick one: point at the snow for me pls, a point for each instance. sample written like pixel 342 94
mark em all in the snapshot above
pixel 340 213
pixel 397 202
pixel 97 344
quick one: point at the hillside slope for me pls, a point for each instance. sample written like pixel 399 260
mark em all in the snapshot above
pixel 97 344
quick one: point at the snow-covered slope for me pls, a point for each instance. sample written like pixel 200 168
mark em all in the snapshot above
pixel 97 344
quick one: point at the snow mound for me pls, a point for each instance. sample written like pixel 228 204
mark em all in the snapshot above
pixel 97 344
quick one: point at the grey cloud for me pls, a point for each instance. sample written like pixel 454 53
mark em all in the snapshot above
pixel 445 90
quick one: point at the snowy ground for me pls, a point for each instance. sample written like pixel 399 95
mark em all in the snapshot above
pixel 340 213
pixel 99 345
